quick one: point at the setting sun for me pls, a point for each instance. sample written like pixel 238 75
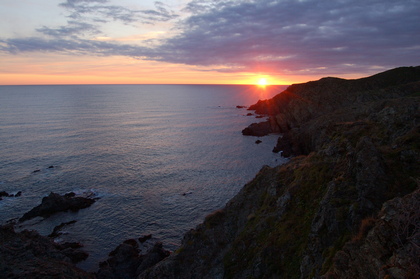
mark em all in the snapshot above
pixel 262 82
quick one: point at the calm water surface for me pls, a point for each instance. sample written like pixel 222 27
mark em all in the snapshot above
pixel 159 157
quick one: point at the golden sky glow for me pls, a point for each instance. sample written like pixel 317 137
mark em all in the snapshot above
pixel 64 69
pixel 202 42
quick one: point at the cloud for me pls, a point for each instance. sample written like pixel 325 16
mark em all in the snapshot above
pixel 101 11
pixel 282 36
pixel 73 28
pixel 74 47
pixel 293 36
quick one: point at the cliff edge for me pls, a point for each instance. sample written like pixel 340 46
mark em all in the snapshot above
pixel 345 206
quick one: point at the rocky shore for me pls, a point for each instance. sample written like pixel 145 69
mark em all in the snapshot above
pixel 346 205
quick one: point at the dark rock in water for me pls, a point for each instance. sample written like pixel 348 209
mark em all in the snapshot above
pixel 144 238
pixel 56 232
pixel 285 144
pixel 4 194
pixel 131 242
pixel 54 203
pixel 258 141
pixel 70 195
pixel 51 167
pixel 29 255
pixel 257 129
pixel 35 171
pixel 125 262
pixel 249 114
pixel 240 107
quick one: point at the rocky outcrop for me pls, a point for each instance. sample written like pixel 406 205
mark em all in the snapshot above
pixel 301 103
pixel 356 150
pixel 54 203
pixel 126 262
pixel 385 247
pixel 29 255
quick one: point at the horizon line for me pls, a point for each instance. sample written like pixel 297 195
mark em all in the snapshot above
pixel 78 84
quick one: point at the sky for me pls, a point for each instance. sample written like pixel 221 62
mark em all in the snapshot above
pixel 204 41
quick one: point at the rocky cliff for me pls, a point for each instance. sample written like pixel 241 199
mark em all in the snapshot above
pixel 345 206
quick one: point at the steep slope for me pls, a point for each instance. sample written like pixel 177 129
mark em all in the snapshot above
pixel 359 147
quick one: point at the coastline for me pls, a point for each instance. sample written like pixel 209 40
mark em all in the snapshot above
pixel 354 164
pixel 354 158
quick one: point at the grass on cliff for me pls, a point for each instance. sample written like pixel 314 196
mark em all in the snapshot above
pixel 272 245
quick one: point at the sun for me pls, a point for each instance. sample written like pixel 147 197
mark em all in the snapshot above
pixel 262 82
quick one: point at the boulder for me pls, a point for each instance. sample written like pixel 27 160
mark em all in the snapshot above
pixel 54 203
pixel 257 129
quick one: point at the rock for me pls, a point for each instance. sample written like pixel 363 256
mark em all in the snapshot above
pixel 29 255
pixel 51 167
pixel 154 256
pixel 56 232
pixel 144 238
pixel 71 250
pixel 240 107
pixel 35 171
pixel 70 195
pixel 249 114
pixel 258 141
pixel 4 194
pixel 389 248
pixel 54 203
pixel 131 242
pixel 126 262
pixel 257 129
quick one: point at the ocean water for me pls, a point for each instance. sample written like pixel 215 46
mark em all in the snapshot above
pixel 159 157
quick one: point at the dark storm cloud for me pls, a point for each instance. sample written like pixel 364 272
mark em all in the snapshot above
pixel 283 36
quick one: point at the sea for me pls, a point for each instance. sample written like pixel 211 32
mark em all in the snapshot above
pixel 158 158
